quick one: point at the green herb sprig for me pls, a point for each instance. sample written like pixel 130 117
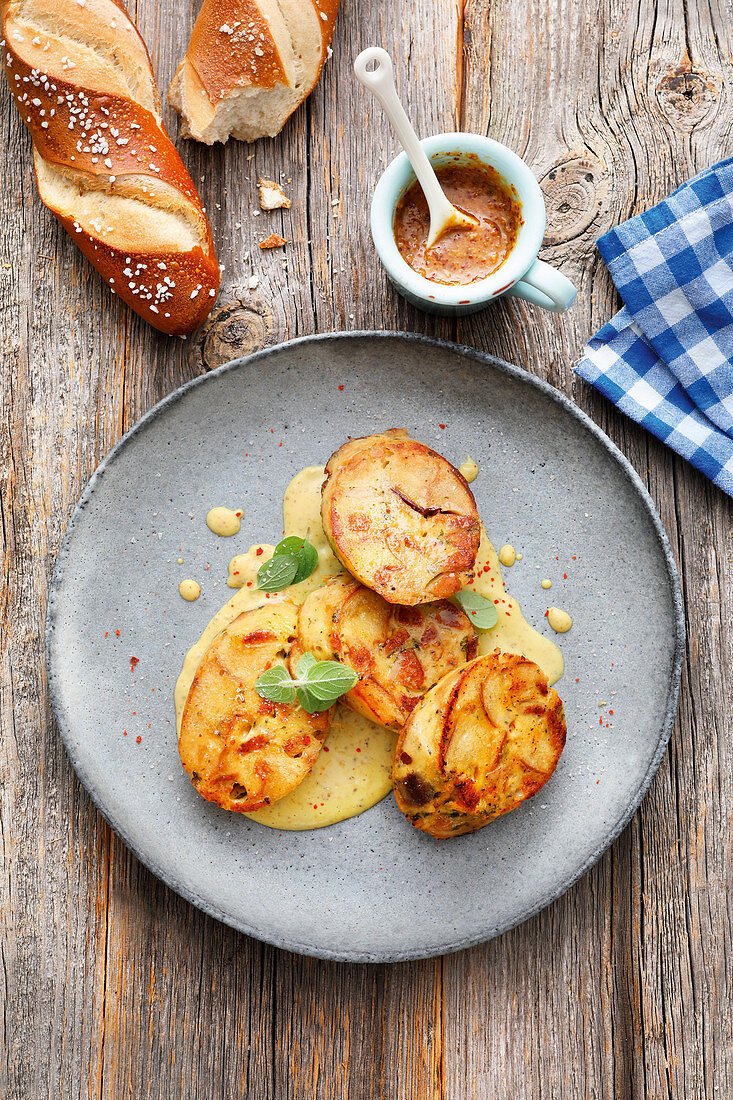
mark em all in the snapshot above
pixel 316 684
pixel 292 561
pixel 481 612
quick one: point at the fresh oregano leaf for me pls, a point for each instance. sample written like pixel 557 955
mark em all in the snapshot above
pixel 301 558
pixel 277 573
pixel 276 685
pixel 304 551
pixel 481 612
pixel 305 663
pixel 327 680
pixel 317 684
pixel 310 703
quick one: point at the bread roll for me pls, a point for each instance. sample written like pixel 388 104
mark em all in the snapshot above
pixel 82 80
pixel 249 64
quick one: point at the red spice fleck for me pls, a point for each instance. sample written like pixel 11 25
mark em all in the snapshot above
pixel 134 661
pixel 610 712
pixel 564 576
pixel 574 556
pixel 325 748
pixel 279 444
pixel 306 740
pixel 258 551
pixel 138 739
pixel 341 387
pixel 249 584
pixel 124 733
pixel 577 679
pixel 600 721
pixel 441 426
pixel 358 750
pixel 597 782
pixel 106 633
pixel 238 515
pixel 117 631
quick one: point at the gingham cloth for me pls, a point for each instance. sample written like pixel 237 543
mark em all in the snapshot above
pixel 666 359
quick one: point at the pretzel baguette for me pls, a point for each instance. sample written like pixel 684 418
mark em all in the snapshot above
pixel 249 64
pixel 105 167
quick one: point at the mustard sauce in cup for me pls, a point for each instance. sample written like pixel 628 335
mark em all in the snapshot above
pixel 519 274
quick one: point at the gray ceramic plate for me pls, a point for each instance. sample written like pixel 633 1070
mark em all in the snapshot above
pixel 371 888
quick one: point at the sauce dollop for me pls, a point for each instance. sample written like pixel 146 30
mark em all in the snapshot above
pixel 460 255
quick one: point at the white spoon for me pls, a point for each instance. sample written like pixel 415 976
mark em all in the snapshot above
pixel 380 80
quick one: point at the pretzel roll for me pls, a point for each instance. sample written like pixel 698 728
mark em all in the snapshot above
pixel 81 77
pixel 249 64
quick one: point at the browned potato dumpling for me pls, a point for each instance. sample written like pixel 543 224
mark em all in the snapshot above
pixel 400 518
pixel 485 738
pixel 398 652
pixel 239 750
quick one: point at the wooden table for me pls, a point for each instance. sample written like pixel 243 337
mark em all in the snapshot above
pixel 113 986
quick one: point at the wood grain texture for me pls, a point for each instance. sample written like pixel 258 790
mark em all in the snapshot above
pixel 111 985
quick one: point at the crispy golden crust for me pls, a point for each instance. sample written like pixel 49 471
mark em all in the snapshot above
pixel 398 652
pixel 400 518
pixel 105 166
pixel 485 738
pixel 239 750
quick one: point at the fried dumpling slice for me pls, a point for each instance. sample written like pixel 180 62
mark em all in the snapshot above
pixel 400 518
pixel 481 742
pixel 239 750
pixel 398 652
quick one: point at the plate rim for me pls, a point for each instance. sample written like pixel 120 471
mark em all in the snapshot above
pixel 288 943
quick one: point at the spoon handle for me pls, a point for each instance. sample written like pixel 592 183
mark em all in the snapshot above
pixel 380 81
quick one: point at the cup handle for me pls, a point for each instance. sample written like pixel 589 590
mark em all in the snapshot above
pixel 544 286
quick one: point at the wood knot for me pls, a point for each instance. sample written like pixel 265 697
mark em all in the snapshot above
pixel 575 193
pixel 234 330
pixel 686 96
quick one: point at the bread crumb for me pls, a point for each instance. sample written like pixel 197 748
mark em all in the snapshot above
pixel 272 196
pixel 253 282
pixel 273 241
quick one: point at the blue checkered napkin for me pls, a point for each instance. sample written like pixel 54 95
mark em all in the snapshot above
pixel 666 359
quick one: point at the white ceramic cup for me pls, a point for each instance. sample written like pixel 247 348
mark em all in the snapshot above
pixel 521 275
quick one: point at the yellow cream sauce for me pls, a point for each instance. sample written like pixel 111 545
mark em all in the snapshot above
pixel 354 768
pixel 189 589
pixel 223 521
pixel 559 620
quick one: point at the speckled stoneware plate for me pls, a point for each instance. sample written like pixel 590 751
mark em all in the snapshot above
pixel 371 888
